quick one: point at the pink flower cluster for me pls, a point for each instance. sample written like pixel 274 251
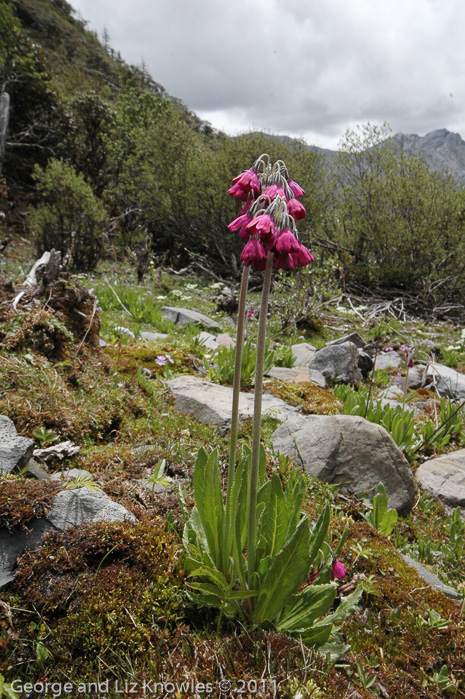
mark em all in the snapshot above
pixel 266 218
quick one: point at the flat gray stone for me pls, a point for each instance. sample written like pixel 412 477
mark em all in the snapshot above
pixel 350 451
pixel 83 505
pixel 338 362
pixel 225 340
pixel 352 337
pixel 15 451
pixel 444 478
pixel 299 374
pixel 149 336
pixel 71 474
pixel 188 316
pixel 448 382
pixel 208 340
pixel 212 404
pixel 388 360
pixel 432 579
pixel 303 353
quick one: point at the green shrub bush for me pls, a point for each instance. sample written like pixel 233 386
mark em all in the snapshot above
pixel 69 217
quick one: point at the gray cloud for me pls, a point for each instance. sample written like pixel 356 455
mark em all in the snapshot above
pixel 295 66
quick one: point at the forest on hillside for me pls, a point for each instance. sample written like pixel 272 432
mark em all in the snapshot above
pixel 100 160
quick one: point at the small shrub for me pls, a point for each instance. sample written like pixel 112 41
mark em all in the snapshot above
pixel 69 217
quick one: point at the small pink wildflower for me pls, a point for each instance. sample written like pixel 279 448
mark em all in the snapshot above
pixel 248 181
pixel 296 209
pixel 296 189
pixel 338 570
pixel 254 255
pixel 163 358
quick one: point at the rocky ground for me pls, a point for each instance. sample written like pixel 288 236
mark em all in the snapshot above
pixel 108 389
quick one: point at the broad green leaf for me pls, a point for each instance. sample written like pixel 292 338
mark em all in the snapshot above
pixel 319 533
pixel 310 604
pixel 294 494
pixel 347 606
pixel 285 575
pixel 274 520
pixel 388 522
pixel 209 500
pixel 316 635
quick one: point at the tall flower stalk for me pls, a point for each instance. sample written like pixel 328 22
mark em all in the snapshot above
pixel 251 566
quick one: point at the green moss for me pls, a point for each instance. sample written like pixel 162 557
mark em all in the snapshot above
pixel 22 500
pixel 102 591
pixel 311 399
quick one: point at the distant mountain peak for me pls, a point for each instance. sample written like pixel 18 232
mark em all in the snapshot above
pixel 442 150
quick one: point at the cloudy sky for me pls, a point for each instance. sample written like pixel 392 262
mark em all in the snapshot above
pixel 306 68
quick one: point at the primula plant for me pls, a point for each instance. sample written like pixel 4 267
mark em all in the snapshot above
pixel 252 552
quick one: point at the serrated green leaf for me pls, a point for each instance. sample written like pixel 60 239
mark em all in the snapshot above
pixel 285 574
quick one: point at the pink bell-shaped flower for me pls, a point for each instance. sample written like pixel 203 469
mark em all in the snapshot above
pixel 238 192
pixel 263 226
pixel 286 242
pixel 338 570
pixel 304 256
pixel 273 191
pixel 254 254
pixel 248 181
pixel 285 260
pixel 296 209
pixel 296 189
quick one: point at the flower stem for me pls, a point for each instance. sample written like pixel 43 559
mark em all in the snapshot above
pixel 257 420
pixel 237 378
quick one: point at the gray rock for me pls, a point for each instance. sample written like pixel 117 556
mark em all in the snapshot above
pixel 83 505
pixel 225 340
pixel 348 450
pixel 415 377
pixel 444 478
pixel 352 337
pixel 303 353
pixel 15 451
pixel 298 374
pixel 388 360
pixel 72 474
pixel 448 382
pixel 208 340
pixel 390 396
pixel 35 470
pixel 339 362
pixel 212 404
pixel 70 509
pixel 149 336
pixel 188 316
pixel 365 363
pixel 12 545
pixel 432 579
